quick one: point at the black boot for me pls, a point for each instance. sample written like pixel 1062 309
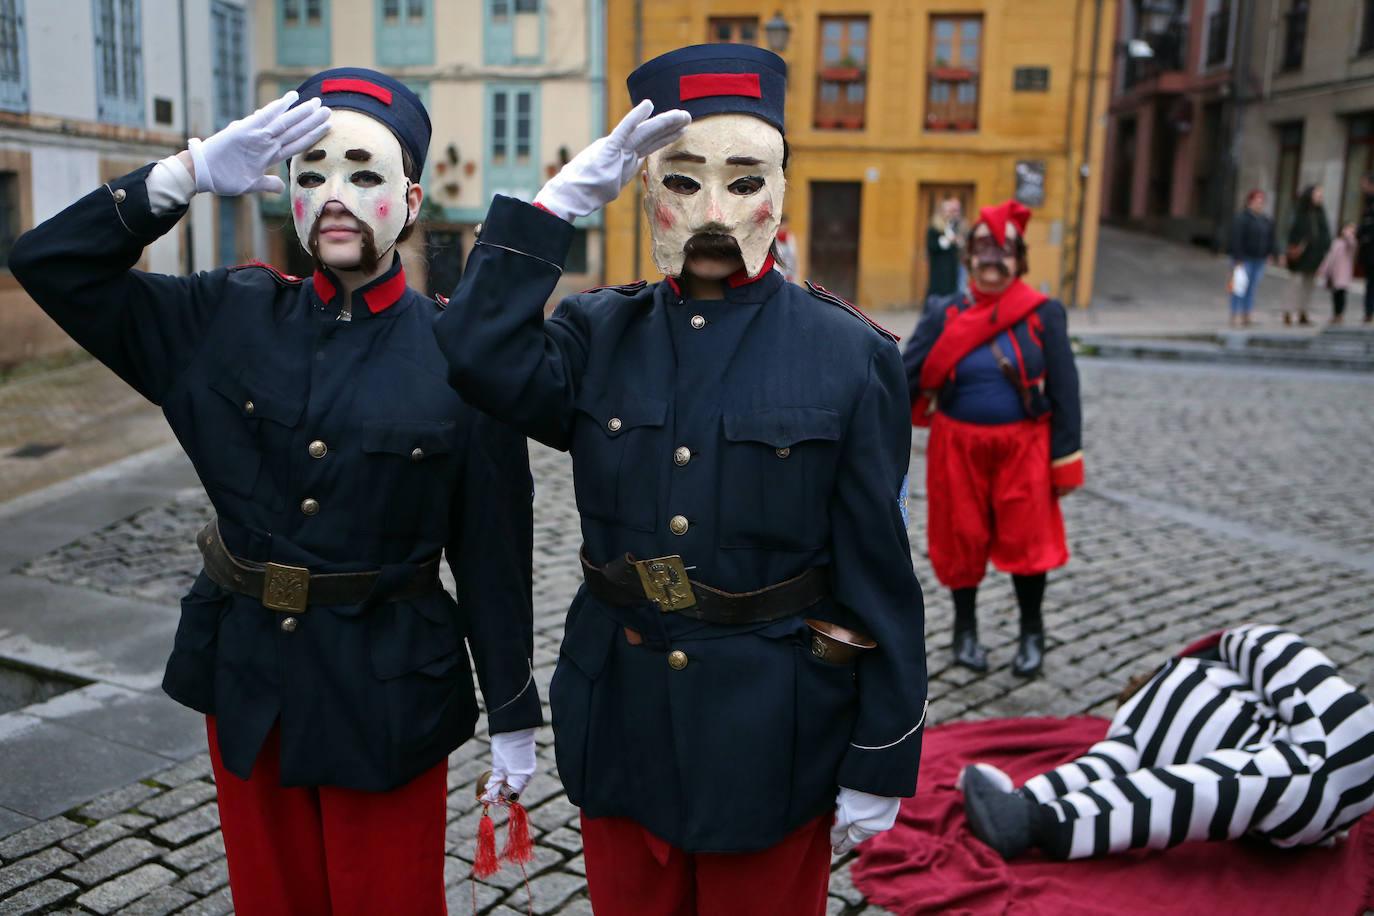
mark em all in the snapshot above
pixel 1030 653
pixel 1003 820
pixel 967 652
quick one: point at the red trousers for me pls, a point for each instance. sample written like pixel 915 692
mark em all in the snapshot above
pixel 988 496
pixel 631 872
pixel 326 851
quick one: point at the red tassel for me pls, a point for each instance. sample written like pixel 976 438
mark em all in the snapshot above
pixel 486 863
pixel 518 849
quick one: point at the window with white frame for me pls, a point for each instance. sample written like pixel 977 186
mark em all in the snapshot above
pixel 231 68
pixel 118 61
pixel 405 33
pixel 14 65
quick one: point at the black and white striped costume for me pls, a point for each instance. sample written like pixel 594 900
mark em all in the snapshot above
pixel 1268 741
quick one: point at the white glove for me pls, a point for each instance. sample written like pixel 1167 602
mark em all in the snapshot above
pixel 512 763
pixel 859 816
pixel 594 177
pixel 233 161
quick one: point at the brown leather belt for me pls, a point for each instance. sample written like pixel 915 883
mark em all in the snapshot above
pixel 664 581
pixel 292 588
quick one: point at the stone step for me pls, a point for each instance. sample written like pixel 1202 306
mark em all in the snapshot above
pixel 1232 348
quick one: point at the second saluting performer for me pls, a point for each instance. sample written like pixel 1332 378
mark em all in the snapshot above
pixel 744 667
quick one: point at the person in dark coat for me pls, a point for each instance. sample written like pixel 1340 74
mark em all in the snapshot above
pixel 992 374
pixel 741 684
pixel 1252 243
pixel 944 249
pixel 1308 240
pixel 331 664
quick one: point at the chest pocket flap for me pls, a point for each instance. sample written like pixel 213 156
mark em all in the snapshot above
pixel 416 439
pixel 258 399
pixel 617 415
pixel 783 427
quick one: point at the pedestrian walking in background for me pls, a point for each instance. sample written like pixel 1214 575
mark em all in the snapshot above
pixel 331 664
pixel 741 685
pixel 1364 234
pixel 1252 243
pixel 1250 731
pixel 944 249
pixel 992 374
pixel 1338 269
pixel 1308 239
pixel 786 251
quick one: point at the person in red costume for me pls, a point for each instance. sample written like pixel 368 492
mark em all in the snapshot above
pixel 992 374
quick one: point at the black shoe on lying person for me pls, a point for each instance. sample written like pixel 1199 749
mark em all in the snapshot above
pixel 1002 820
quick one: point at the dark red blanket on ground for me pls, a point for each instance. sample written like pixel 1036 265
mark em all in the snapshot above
pixel 930 863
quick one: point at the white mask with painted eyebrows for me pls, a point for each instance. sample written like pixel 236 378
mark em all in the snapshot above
pixel 736 191
pixel 373 189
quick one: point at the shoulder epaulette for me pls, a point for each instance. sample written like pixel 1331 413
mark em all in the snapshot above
pixel 820 292
pixel 441 301
pixel 625 289
pixel 281 279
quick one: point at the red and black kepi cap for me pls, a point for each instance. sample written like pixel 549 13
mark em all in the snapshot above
pixel 714 79
pixel 383 97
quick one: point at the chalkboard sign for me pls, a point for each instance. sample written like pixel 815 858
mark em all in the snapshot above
pixel 1031 79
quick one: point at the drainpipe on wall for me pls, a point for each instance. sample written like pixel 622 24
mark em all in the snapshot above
pixel 186 131
pixel 1084 166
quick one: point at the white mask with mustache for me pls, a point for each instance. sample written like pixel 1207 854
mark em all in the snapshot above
pixel 372 189
pixel 741 198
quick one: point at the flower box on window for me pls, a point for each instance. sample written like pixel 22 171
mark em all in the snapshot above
pixel 826 123
pixel 842 74
pixel 952 74
pixel 853 122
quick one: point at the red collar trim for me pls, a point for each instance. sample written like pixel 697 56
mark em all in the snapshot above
pixel 384 295
pixel 740 277
pixel 672 281
pixel 323 287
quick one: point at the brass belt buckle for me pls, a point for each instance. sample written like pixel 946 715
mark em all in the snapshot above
pixel 665 583
pixel 284 587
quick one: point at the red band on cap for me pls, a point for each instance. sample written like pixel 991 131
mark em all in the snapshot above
pixel 355 85
pixel 704 85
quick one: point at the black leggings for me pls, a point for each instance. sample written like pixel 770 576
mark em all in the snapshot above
pixel 1030 592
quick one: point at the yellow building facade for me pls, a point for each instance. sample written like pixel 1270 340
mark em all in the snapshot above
pixel 894 105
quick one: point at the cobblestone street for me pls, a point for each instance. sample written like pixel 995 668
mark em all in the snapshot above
pixel 1214 496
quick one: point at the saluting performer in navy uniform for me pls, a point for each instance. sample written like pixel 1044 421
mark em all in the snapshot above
pixel 1250 731
pixel 318 640
pixel 748 641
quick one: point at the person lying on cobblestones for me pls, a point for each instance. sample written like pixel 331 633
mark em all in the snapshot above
pixel 760 674
pixel 318 641
pixel 1250 731
pixel 992 374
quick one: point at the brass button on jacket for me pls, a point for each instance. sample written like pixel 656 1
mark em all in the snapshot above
pixel 310 506
pixel 318 449
pixel 613 424
pixel 248 407
pixel 681 455
pixel 119 195
pixel 677 659
pixel 678 524
pixel 698 321
pixel 417 454
pixel 288 625
pixel 782 452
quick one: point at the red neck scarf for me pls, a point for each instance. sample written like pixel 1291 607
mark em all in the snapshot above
pixel 974 326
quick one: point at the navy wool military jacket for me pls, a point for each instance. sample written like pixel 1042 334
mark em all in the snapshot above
pixel 775 424
pixel 252 369
pixel 1041 353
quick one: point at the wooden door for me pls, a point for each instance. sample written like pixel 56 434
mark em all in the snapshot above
pixel 928 199
pixel 833 249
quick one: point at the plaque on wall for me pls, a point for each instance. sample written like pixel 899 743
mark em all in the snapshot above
pixel 1030 182
pixel 1031 79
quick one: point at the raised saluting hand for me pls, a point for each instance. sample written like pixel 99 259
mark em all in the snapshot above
pixel 233 160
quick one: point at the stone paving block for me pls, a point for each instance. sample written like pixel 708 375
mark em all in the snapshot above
pixel 174 802
pixel 111 895
pixel 198 767
pixel 31 868
pixel 120 857
pixel 550 890
pixel 191 824
pixel 564 838
pixel 842 886
pixel 553 814
pixel 510 877
pixel 160 902
pixel 44 833
pixel 104 833
pixel 33 899
pixel 579 907
pixel 217 904
pixel 460 896
pixel 119 800
pixel 196 854
pixel 577 865
pixel 207 878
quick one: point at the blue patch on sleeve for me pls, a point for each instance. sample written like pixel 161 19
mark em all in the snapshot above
pixel 901 502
